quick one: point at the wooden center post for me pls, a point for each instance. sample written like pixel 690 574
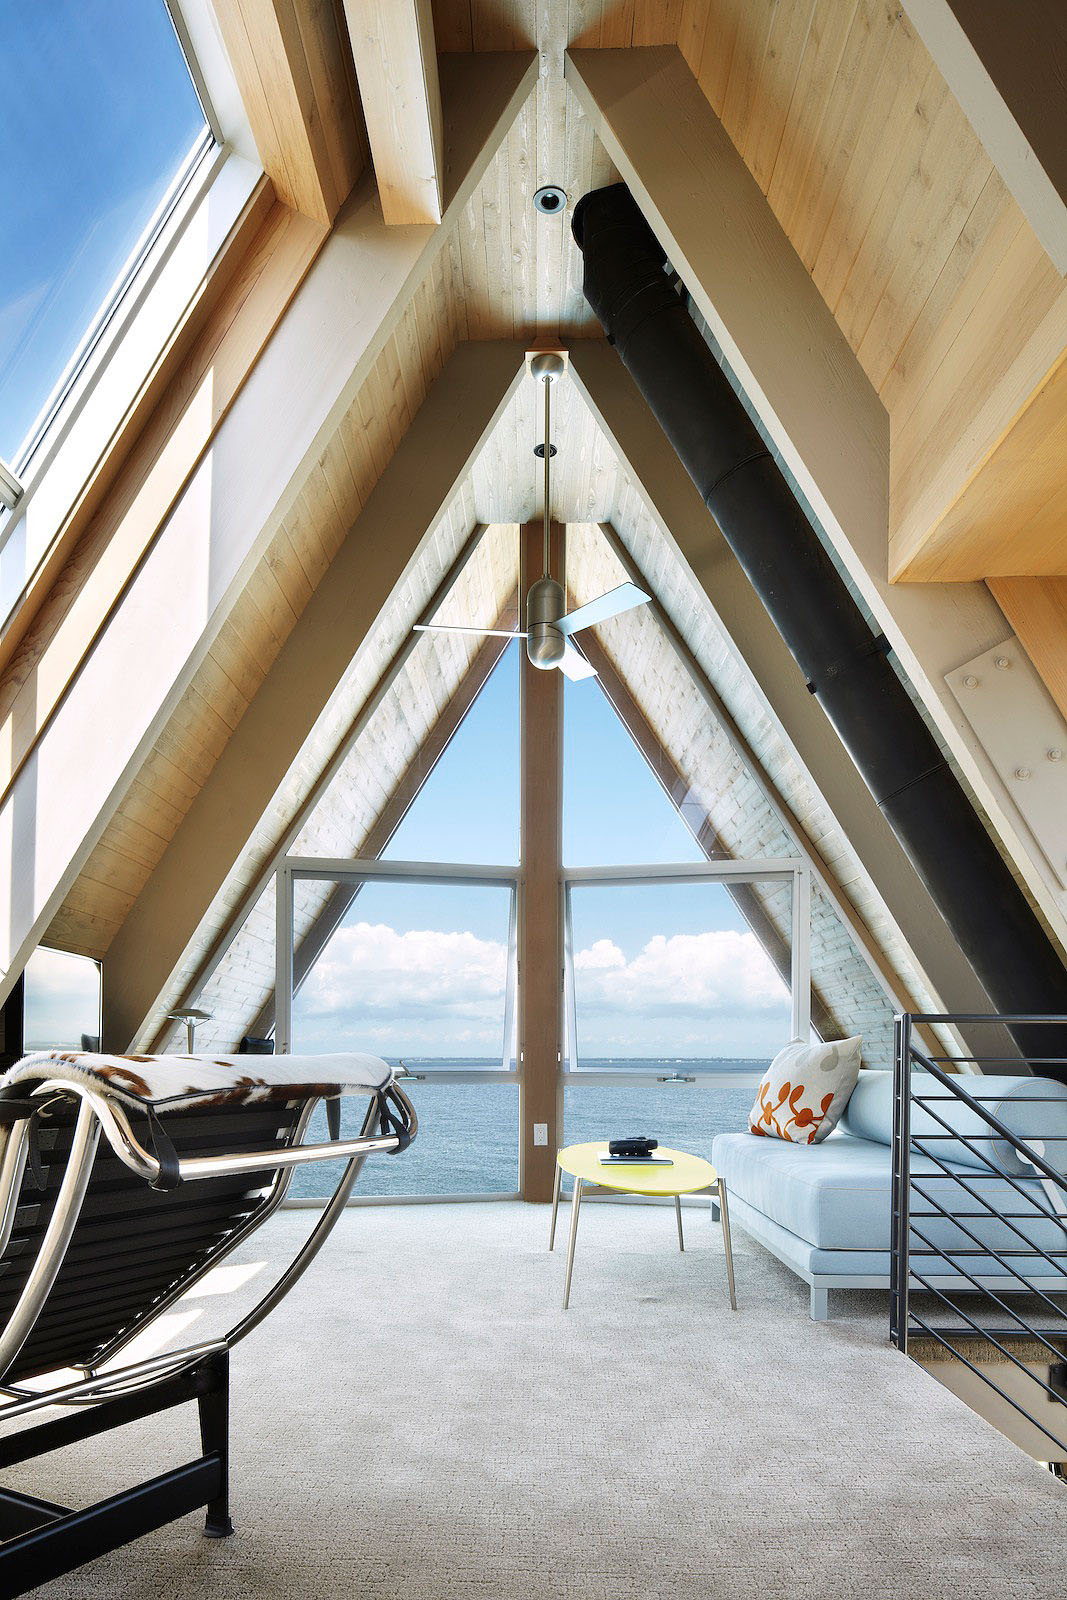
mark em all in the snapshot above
pixel 540 930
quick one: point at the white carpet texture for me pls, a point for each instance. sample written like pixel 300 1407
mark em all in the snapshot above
pixel 421 1421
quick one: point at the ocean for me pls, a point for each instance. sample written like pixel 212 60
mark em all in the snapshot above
pixel 468 1132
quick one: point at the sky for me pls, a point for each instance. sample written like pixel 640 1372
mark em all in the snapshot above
pixel 62 1000
pixel 97 115
pixel 661 970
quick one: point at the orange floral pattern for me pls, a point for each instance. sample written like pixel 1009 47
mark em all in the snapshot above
pixel 798 1123
pixel 804 1091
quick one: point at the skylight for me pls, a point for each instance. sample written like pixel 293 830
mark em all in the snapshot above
pixel 99 126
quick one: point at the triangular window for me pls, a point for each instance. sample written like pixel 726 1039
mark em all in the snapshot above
pixel 616 810
pixel 466 805
pixel 690 973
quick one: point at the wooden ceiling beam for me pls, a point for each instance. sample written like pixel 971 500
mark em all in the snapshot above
pixel 1037 610
pixel 432 460
pixel 1007 67
pixel 291 63
pixel 778 334
pixel 394 811
pixel 1010 517
pixel 396 68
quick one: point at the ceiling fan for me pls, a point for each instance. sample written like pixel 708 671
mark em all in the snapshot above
pixel 548 627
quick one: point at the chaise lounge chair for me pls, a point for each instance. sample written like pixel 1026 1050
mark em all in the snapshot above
pixel 123 1180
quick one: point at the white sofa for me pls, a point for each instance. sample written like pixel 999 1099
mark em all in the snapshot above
pixel 825 1209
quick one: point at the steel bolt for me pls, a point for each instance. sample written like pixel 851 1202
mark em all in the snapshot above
pixel 1002 663
pixel 970 681
pixel 1022 772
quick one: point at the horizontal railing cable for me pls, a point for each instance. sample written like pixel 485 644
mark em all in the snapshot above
pixel 956 1218
pixel 986 1379
pixel 986 1335
pixel 1003 1248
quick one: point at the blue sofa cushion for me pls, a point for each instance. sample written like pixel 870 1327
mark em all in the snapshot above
pixel 837 1195
pixel 869 1115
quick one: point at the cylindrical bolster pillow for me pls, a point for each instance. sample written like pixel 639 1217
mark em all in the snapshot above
pixel 869 1115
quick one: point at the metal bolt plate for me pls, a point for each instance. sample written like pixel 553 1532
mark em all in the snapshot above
pixel 1017 724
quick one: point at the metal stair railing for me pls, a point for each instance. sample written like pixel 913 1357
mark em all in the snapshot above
pixel 979 1252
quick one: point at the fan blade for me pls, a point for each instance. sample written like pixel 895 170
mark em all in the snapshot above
pixel 455 627
pixel 574 665
pixel 624 598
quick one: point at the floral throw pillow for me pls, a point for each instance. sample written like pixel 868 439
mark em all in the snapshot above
pixel 805 1089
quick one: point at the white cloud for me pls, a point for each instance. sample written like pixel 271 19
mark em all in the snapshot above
pixel 370 970
pixel 601 956
pixel 684 973
pixel 433 992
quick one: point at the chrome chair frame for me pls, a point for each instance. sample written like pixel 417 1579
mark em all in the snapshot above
pixel 42 1540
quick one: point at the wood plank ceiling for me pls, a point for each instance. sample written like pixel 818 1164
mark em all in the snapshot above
pixel 941 286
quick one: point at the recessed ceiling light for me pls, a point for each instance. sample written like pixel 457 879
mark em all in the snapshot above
pixel 551 199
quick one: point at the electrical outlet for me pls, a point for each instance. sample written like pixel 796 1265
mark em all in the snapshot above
pixel 540 1133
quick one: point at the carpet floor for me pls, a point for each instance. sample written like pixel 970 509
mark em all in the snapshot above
pixel 420 1421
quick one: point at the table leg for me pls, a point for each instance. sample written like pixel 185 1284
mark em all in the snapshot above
pixel 678 1216
pixel 576 1206
pixel 555 1206
pixel 724 1217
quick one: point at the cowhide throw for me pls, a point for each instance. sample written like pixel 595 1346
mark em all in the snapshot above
pixel 162 1081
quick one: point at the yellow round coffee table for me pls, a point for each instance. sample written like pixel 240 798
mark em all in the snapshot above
pixel 686 1175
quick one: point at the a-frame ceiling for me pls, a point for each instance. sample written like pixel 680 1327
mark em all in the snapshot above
pixel 329 452
pixel 175 948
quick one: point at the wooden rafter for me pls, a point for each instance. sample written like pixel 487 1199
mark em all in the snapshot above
pixel 1007 67
pixel 396 67
pixel 206 962
pixel 1010 517
pixel 748 282
pixel 291 63
pixel 433 458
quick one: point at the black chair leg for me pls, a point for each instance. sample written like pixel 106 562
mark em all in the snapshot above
pixel 214 1404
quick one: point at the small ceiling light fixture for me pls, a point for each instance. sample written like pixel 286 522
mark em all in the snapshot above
pixel 10 487
pixel 551 199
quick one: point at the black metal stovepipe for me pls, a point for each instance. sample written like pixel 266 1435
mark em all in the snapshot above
pixel 844 663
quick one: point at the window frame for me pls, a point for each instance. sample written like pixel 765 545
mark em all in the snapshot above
pixel 152 296
pixel 295 869
pixel 77 956
pixel 775 869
